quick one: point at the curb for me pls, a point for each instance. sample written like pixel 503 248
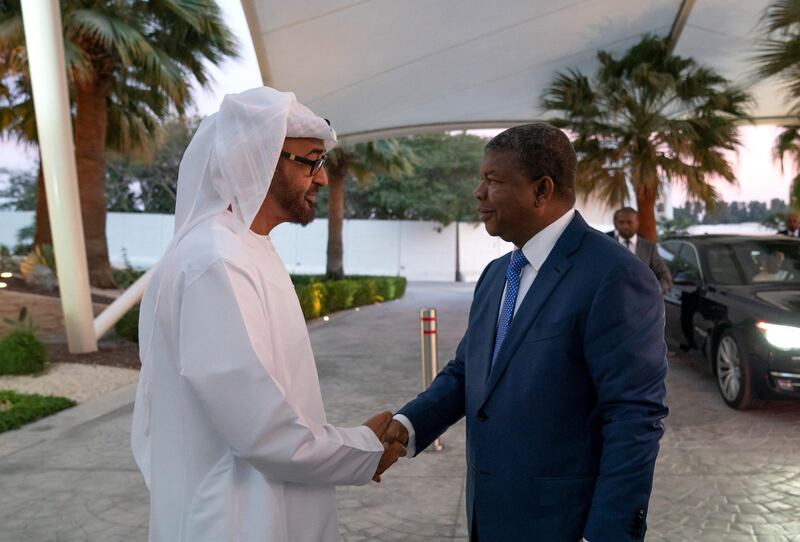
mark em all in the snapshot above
pixel 54 426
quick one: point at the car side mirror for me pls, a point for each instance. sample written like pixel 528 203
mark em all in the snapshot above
pixel 682 278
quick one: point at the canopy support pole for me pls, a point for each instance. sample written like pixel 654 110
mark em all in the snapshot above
pixel 44 37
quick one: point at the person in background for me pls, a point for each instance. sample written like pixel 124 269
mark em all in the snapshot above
pixel 771 268
pixel 626 226
pixel 792 226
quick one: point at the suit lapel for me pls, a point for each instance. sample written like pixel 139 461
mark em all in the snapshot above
pixel 552 271
pixel 641 249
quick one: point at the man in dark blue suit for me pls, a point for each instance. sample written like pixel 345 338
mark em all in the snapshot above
pixel 561 371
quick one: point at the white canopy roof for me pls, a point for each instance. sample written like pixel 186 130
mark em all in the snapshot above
pixel 378 68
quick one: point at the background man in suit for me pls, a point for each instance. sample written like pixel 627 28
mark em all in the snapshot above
pixel 792 226
pixel 626 224
pixel 561 371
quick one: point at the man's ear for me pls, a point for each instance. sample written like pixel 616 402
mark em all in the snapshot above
pixel 543 190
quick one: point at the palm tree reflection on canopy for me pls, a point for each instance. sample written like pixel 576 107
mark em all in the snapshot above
pixel 645 118
pixel 779 56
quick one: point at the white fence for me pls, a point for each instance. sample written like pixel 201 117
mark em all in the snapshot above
pixel 416 250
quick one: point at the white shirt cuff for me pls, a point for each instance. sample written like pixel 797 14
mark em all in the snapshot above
pixel 412 436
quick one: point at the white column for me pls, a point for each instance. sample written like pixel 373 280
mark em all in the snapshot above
pixel 45 45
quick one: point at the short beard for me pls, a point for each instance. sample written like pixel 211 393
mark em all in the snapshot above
pixel 293 201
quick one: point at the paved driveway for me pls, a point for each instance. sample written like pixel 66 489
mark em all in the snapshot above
pixel 722 475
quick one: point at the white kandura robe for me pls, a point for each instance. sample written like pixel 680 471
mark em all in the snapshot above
pixel 239 446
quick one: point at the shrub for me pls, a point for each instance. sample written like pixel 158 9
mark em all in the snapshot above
pixel 8 262
pixel 367 292
pixel 22 353
pixel 128 325
pixel 17 409
pixel 318 296
pixel 304 280
pixel 386 289
pixel 400 287
pixel 339 295
pixel 126 276
pixel 39 267
pixel 311 298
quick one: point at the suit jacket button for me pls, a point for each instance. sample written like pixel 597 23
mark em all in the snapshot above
pixel 482 416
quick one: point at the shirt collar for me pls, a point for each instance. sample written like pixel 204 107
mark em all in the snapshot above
pixel 538 247
pixel 622 239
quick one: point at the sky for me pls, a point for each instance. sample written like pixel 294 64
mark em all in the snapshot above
pixel 759 176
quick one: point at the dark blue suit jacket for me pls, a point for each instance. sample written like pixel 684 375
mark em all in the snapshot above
pixel 562 435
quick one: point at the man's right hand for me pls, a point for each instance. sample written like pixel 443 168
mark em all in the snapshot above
pixel 396 433
pixel 379 423
pixel 392 450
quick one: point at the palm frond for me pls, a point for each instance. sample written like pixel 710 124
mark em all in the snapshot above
pixel 647 115
pixel 110 33
pixel 794 193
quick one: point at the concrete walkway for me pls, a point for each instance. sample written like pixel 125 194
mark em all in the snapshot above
pixel 71 477
pixel 721 476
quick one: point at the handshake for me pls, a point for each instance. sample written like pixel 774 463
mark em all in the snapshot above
pixel 394 436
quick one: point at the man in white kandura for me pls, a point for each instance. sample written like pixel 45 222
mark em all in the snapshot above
pixel 229 428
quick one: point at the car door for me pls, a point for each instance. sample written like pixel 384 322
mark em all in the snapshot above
pixel 668 250
pixel 684 298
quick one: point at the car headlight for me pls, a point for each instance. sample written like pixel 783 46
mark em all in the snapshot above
pixel 781 337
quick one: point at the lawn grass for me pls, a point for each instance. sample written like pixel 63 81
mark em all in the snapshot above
pixel 17 409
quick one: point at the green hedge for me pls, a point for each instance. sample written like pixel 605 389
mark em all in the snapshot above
pixel 339 294
pixel 312 299
pixel 17 409
pixel 319 297
pixel 128 326
pixel 22 353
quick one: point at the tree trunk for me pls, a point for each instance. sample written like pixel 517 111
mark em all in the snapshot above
pixel 459 276
pixel 646 203
pixel 42 234
pixel 336 176
pixel 91 125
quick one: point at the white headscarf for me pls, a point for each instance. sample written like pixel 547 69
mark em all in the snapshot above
pixel 230 161
pixel 234 153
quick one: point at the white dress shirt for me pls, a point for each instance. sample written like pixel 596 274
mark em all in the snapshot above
pixel 632 241
pixel 536 251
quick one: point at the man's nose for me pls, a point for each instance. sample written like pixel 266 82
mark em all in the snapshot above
pixel 480 190
pixel 321 178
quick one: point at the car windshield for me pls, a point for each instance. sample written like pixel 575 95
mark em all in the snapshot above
pixel 754 262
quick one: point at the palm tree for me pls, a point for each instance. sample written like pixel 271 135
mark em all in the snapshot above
pixel 779 56
pixel 788 143
pixel 132 54
pixel 647 118
pixel 133 128
pixel 362 161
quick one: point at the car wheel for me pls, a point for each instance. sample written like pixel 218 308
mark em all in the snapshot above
pixel 734 377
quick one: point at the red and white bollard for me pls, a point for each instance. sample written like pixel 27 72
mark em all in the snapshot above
pixel 429 356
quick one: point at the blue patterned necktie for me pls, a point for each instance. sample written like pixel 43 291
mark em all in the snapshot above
pixel 518 261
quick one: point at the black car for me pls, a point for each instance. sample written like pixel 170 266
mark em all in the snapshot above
pixel 736 303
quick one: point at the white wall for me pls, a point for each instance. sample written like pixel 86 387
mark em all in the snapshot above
pixel 416 250
pixel 10 223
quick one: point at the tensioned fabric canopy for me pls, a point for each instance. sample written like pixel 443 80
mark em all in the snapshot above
pixel 379 68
